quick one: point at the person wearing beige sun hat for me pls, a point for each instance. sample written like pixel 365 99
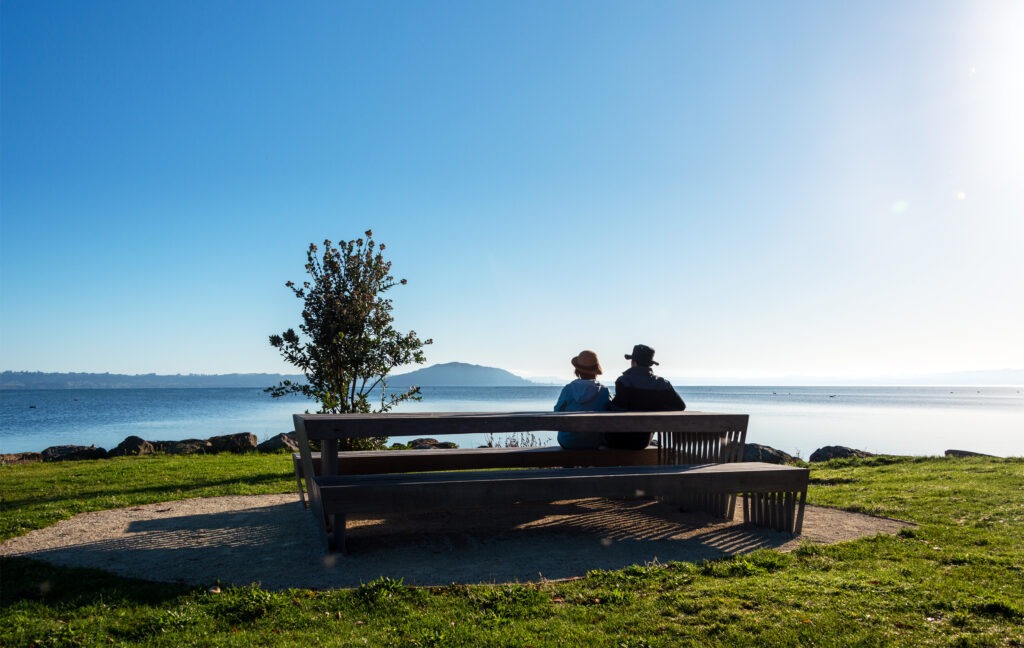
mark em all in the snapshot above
pixel 585 394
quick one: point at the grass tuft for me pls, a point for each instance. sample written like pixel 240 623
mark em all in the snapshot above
pixel 380 592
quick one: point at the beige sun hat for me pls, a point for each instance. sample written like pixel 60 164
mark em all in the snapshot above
pixel 587 362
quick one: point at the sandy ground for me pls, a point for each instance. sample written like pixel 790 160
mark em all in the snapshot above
pixel 273 541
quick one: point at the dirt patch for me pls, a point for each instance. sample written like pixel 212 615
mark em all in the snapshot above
pixel 273 541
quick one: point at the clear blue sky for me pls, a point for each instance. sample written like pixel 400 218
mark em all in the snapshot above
pixel 754 189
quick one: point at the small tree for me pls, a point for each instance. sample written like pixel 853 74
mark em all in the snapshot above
pixel 351 345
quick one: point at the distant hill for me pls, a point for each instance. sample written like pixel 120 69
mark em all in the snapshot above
pixel 459 374
pixel 41 380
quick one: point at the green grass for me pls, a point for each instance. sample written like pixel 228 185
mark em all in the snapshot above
pixel 35 495
pixel 957 579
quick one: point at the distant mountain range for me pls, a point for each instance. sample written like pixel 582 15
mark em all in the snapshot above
pixel 452 374
pixel 459 374
pixel 41 380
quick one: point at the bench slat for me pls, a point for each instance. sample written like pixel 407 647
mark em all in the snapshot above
pixel 372 462
pixel 401 461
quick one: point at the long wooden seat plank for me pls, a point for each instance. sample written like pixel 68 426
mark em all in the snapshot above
pixel 343 495
pixel 372 462
pixel 373 493
pixel 397 461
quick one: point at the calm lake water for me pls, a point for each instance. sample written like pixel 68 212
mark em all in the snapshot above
pixel 896 420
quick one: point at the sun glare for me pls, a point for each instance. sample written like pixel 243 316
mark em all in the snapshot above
pixel 996 87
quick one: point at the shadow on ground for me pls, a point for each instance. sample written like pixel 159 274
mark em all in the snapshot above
pixel 273 541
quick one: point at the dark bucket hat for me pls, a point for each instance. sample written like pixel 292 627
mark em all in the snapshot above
pixel 643 354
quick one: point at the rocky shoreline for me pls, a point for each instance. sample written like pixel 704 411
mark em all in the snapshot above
pixel 135 446
pixel 244 442
pixel 239 443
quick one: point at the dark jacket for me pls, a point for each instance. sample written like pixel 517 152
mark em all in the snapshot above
pixel 639 390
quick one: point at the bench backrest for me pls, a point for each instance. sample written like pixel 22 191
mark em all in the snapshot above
pixel 684 437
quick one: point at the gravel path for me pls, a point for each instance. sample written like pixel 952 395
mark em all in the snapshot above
pixel 273 541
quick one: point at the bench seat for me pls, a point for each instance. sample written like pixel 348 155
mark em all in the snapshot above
pixel 777 492
pixel 370 462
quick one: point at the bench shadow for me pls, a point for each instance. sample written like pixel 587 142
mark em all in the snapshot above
pixel 554 541
pixel 279 546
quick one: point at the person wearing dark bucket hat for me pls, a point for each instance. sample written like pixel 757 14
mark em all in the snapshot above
pixel 643 354
pixel 639 390
pixel 585 394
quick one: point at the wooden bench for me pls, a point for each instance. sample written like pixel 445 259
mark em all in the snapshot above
pixel 697 466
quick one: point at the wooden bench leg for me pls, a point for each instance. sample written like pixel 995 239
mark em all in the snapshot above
pixel 802 500
pixel 336 537
pixel 780 511
pixel 297 464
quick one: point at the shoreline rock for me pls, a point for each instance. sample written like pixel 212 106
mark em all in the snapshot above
pixel 236 443
pixel 431 444
pixel 960 454
pixel 20 457
pixel 838 452
pixel 185 446
pixel 284 441
pixel 767 454
pixel 73 453
pixel 132 446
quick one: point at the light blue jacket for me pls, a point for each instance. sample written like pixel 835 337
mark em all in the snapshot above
pixel 582 396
